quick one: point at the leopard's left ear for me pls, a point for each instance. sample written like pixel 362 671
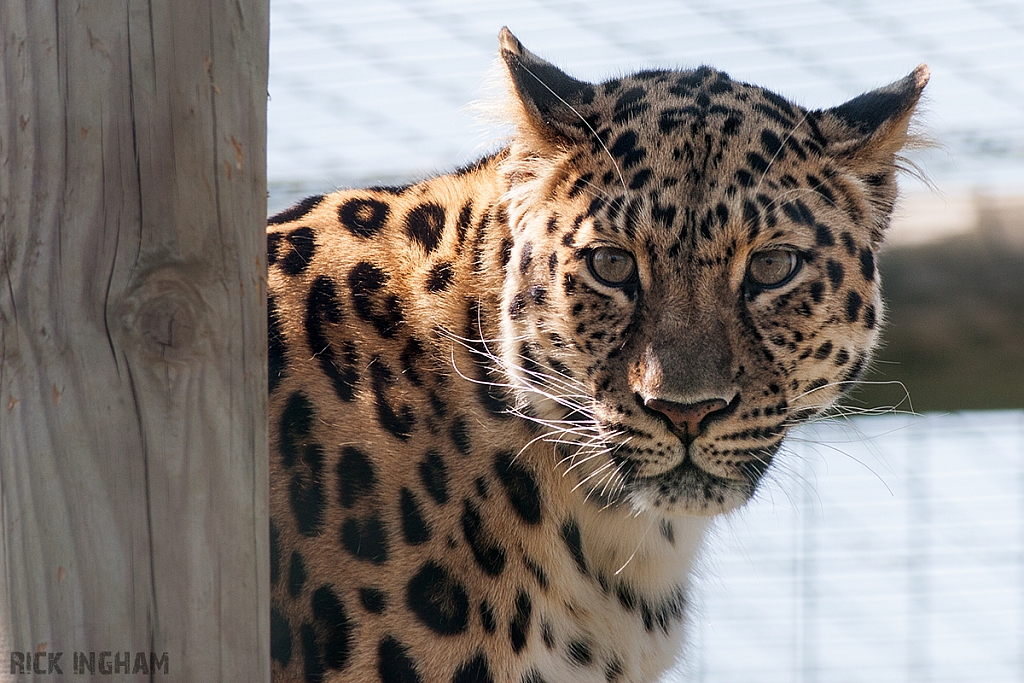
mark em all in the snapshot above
pixel 552 105
pixel 866 133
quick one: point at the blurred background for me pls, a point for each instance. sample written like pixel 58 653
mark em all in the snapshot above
pixel 887 548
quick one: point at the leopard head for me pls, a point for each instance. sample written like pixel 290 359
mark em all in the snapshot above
pixel 692 272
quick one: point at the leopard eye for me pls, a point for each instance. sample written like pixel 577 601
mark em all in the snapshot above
pixel 611 266
pixel 772 268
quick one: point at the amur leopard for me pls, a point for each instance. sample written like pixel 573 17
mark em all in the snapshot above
pixel 506 401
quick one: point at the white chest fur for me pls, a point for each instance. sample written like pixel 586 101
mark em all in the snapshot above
pixel 618 611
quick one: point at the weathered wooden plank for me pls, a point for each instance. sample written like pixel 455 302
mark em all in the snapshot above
pixel 132 333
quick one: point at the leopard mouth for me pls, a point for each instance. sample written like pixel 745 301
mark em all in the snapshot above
pixel 688 488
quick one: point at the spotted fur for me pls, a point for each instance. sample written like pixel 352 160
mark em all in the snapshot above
pixel 494 455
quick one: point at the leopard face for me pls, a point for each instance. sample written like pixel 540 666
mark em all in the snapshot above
pixel 692 274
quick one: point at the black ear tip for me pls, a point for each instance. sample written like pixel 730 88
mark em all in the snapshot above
pixel 867 112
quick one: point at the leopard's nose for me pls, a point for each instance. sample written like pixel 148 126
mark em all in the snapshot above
pixel 688 418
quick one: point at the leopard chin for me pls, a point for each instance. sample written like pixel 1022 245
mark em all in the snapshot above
pixel 691 491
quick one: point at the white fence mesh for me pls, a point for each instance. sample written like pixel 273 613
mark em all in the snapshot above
pixel 364 92
pixel 885 550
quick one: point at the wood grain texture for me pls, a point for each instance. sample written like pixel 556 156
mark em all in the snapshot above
pixel 133 437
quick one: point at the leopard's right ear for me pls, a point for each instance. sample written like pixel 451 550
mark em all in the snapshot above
pixel 552 105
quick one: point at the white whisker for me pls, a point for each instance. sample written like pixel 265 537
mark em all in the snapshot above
pixel 775 156
pixel 638 544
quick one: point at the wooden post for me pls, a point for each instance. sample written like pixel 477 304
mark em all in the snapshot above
pixel 133 461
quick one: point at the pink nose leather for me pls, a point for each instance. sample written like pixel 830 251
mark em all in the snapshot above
pixel 686 416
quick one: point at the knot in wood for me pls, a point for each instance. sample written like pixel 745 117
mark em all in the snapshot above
pixel 167 324
pixel 166 320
